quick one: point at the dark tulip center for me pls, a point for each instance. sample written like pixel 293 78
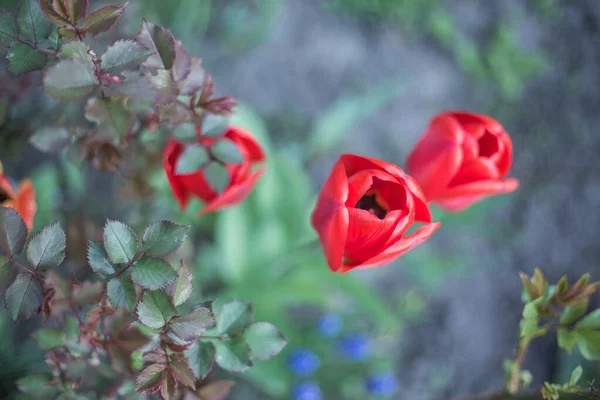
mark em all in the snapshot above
pixel 488 145
pixel 369 203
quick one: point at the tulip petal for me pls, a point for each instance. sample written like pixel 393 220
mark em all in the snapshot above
pixel 398 249
pixel 171 154
pixel 362 181
pixel 476 124
pixel 354 163
pixel 24 202
pixel 505 160
pixel 475 170
pixel 330 217
pixel 367 234
pixel 460 197
pixel 437 156
pixel 233 194
pixel 244 139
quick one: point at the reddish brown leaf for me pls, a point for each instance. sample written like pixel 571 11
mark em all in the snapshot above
pixel 183 373
pixel 150 380
pixel 168 387
pixel 217 390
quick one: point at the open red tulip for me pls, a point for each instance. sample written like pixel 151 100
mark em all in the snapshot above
pixel 363 211
pixel 23 200
pixel 462 158
pixel 241 179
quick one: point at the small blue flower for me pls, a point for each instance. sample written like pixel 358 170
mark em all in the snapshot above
pixel 303 362
pixel 307 391
pixel 356 346
pixel 382 385
pixel 330 325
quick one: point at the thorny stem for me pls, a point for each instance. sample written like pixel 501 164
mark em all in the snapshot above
pixel 33 273
pixel 515 377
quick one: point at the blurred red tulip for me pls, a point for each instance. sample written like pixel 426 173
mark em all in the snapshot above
pixel 241 177
pixel 461 159
pixel 23 200
pixel 364 209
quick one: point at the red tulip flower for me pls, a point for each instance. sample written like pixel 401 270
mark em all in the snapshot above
pixel 462 158
pixel 239 177
pixel 22 200
pixel 364 210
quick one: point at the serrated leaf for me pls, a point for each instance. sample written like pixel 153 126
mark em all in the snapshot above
pixel 121 293
pixel 192 325
pixel 588 342
pixel 102 19
pixel 233 355
pixel 183 62
pixel 160 41
pixel 24 296
pixel 148 380
pixel 218 390
pixel 173 113
pixel 234 317
pixel 36 386
pixel 214 125
pixel 181 288
pixel 120 241
pixel 23 59
pixel 69 79
pixel 53 41
pixel 76 9
pixel 13 232
pixel 52 14
pixel 50 139
pixel 31 22
pixel 8 30
pixel 166 90
pixel 194 80
pixel 193 158
pixel 152 273
pixel 183 373
pixel 227 152
pixel 112 117
pixel 202 357
pixel 217 176
pixel 265 340
pixel 48 338
pixel 98 259
pixel 134 85
pixel 47 248
pixel 124 54
pixel 78 50
pixel 155 309
pixel 168 386
pixel 185 132
pixel 566 339
pixel 163 238
pixel 590 321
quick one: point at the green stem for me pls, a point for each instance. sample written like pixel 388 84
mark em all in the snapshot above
pixel 515 377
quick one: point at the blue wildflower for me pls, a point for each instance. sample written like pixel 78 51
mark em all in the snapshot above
pixel 307 391
pixel 330 325
pixel 382 385
pixel 356 346
pixel 303 362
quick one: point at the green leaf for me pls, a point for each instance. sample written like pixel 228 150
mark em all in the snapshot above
pixel 53 14
pixel 78 50
pixel 573 313
pixel 163 238
pixel 192 325
pixel 149 379
pixel 265 340
pixel 124 54
pixel 50 139
pixel 181 288
pixel 233 355
pixel 590 321
pixel 185 132
pixel 76 9
pixel 135 86
pixel 202 357
pixel 31 23
pixel 227 152
pixel 102 19
pixel 23 296
pixel 566 339
pixel 576 375
pixel 120 241
pixel 47 248
pixel 194 80
pixel 8 30
pixel 588 342
pixel 214 125
pixel 36 386
pixel 152 273
pixel 112 117
pixel 23 59
pixel 98 259
pixel 69 79
pixel 121 293
pixel 160 41
pixel 48 338
pixel 234 317
pixel 217 176
pixel 155 309
pixel 13 232
pixel 347 113
pixel 192 159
